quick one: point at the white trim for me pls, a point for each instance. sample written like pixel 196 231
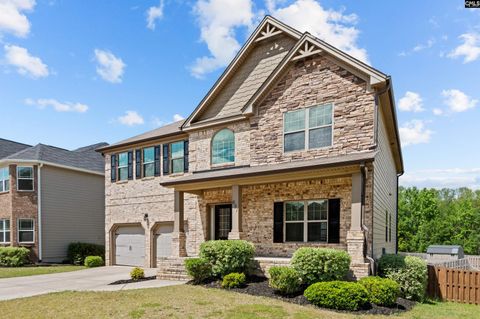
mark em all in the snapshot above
pixel 5 231
pixel 39 214
pixel 33 162
pixel 32 179
pixel 18 231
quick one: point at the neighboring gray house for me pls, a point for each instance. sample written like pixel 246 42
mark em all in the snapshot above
pixel 50 197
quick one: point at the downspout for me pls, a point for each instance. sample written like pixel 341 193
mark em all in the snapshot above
pixel 363 169
pixel 39 214
pixel 396 218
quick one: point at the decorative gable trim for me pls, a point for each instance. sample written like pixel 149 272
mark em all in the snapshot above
pixel 306 50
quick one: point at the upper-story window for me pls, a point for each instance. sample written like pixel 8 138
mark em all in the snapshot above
pixel 148 161
pixel 4 179
pixel 24 178
pixel 123 166
pixel 223 147
pixel 175 157
pixel 308 128
pixel 4 231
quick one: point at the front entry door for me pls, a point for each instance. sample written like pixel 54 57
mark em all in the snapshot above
pixel 223 221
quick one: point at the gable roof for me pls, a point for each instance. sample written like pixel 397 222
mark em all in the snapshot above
pixel 8 147
pixel 85 158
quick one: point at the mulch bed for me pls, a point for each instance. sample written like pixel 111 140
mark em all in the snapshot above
pixel 129 281
pixel 258 286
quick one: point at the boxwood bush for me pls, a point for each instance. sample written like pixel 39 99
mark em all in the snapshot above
pixel 13 256
pixel 227 256
pixel 77 252
pixel 137 273
pixel 409 272
pixel 233 280
pixel 199 269
pixel 93 261
pixel 381 291
pixel 285 280
pixel 341 295
pixel 320 264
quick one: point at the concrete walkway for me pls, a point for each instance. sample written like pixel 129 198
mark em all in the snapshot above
pixel 95 279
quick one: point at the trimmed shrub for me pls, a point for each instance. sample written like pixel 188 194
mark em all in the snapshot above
pixel 233 280
pixel 13 256
pixel 227 256
pixel 341 295
pixel 77 252
pixel 412 278
pixel 390 262
pixel 320 264
pixel 285 280
pixel 137 273
pixel 93 261
pixel 199 269
pixel 381 291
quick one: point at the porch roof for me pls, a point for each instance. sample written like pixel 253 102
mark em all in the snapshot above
pixel 295 170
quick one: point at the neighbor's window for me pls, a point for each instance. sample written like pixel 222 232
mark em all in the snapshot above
pixel 4 179
pixel 177 157
pixel 149 161
pixel 306 221
pixel 223 147
pixel 308 128
pixel 26 230
pixel 4 231
pixel 123 166
pixel 25 178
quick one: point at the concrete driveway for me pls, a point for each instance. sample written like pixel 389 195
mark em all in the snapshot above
pixel 94 279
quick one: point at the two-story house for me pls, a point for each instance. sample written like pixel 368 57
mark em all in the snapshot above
pixel 50 197
pixel 295 145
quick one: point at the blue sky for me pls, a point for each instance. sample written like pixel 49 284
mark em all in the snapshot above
pixel 78 72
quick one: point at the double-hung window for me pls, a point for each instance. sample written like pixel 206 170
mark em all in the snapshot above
pixel 148 161
pixel 177 157
pixel 306 221
pixel 24 178
pixel 123 166
pixel 4 179
pixel 26 230
pixel 308 128
pixel 4 231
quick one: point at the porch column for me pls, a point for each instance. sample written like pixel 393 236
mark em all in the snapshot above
pixel 178 236
pixel 236 232
pixel 355 235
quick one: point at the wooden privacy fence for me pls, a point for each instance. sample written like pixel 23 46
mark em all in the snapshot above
pixel 458 285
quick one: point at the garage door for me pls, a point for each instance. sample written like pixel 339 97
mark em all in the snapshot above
pixel 164 240
pixel 130 246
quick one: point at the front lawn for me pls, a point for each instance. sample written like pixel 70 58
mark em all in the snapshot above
pixel 9 272
pixel 188 301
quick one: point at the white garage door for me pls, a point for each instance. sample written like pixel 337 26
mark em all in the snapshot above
pixel 130 246
pixel 164 240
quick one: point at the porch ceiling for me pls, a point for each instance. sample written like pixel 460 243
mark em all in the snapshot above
pixel 284 172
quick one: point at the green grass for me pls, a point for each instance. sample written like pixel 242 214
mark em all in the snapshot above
pixel 195 302
pixel 9 272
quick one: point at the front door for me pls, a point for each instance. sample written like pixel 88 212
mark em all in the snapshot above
pixel 223 221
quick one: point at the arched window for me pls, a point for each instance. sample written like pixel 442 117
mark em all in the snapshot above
pixel 223 147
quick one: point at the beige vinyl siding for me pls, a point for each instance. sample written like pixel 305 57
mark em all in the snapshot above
pixel 248 78
pixel 384 192
pixel 73 209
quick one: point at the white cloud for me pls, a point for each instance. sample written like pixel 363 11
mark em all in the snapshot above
pixel 177 117
pixel 58 106
pixel 470 49
pixel 12 17
pixel 157 122
pixel 131 118
pixel 414 132
pixel 411 102
pixel 423 46
pixel 442 178
pixel 109 67
pixel 437 111
pixel 25 63
pixel 334 27
pixel 154 13
pixel 218 21
pixel 457 101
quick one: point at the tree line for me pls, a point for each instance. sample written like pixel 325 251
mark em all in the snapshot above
pixel 438 217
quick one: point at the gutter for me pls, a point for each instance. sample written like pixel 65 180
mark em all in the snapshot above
pixel 35 162
pixel 39 212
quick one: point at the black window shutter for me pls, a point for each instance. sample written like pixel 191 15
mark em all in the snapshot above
pixel 130 165
pixel 334 221
pixel 113 167
pixel 156 169
pixel 185 156
pixel 138 164
pixel 278 222
pixel 166 155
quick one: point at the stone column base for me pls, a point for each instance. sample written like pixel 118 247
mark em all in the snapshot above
pixel 179 245
pixel 359 268
pixel 235 235
pixel 358 271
